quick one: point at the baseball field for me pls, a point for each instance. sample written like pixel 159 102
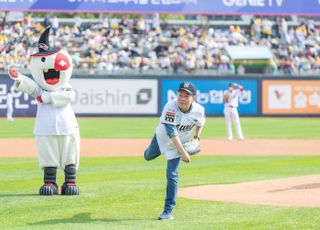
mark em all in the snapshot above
pixel 119 190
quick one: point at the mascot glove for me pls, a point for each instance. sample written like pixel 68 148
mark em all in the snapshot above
pixel 39 99
pixel 45 97
pixel 14 74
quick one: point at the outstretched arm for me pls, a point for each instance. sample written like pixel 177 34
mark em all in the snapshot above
pixel 24 84
pixel 58 98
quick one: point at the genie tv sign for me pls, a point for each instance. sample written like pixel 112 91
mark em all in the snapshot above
pixel 253 3
pixel 208 7
pixel 210 94
pixel 272 6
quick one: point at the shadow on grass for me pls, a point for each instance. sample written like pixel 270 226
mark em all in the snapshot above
pixel 18 195
pixel 299 187
pixel 78 219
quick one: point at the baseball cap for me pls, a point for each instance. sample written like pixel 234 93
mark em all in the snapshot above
pixel 44 48
pixel 188 86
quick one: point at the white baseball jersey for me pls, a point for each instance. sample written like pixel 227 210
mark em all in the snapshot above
pixel 234 98
pixel 9 106
pixel 184 122
pixel 56 118
pixel 9 99
pixel 231 113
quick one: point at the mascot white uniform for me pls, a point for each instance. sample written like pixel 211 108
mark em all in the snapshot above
pixel 56 129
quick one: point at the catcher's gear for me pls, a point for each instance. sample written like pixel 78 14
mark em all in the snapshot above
pixel 192 147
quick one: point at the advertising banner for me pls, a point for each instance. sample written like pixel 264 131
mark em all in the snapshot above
pixel 210 94
pixel 305 7
pixel 23 104
pixel 93 97
pixel 290 97
pixel 119 96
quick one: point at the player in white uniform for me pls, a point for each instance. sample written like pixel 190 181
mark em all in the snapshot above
pixel 182 119
pixel 9 106
pixel 56 129
pixel 231 98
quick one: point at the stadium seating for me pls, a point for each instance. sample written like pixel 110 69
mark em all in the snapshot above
pixel 147 46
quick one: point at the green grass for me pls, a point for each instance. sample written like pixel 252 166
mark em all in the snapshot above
pixel 307 128
pixel 128 193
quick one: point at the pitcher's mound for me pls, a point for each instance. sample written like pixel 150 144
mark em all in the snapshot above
pixel 303 191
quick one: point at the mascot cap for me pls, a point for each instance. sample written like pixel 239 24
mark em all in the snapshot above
pixel 44 45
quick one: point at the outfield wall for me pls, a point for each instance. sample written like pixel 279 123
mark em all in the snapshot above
pixel 146 96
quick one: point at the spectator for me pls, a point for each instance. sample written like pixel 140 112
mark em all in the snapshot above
pixel 284 30
pixel 55 25
pixel 266 28
pixel 46 21
pixel 286 66
pixel 115 43
pixel 257 29
pixel 77 22
pixel 176 64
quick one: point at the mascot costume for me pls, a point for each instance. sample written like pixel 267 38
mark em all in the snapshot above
pixel 56 128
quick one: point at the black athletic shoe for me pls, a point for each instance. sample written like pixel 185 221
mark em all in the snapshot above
pixel 49 189
pixel 70 189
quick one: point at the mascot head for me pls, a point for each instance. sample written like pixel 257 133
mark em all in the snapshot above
pixel 51 68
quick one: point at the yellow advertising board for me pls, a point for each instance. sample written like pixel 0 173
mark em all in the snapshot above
pixel 291 97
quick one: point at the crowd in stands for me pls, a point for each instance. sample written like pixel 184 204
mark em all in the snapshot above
pixel 151 46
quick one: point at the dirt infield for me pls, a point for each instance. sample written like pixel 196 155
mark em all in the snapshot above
pixel 136 147
pixel 298 191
